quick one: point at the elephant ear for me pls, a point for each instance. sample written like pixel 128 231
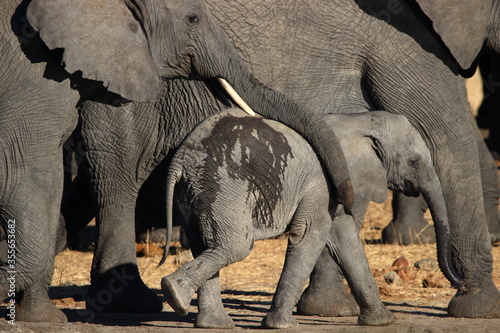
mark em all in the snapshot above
pixel 460 24
pixel 103 40
pixel 367 172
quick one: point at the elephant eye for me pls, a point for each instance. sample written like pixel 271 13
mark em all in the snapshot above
pixel 414 162
pixel 193 19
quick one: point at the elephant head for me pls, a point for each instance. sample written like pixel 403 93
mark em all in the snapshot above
pixel 131 45
pixel 464 26
pixel 384 150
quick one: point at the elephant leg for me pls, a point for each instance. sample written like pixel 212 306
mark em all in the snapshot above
pixel 308 233
pixel 490 182
pixel 117 166
pixel 347 249
pixel 32 214
pixel 326 294
pixel 408 224
pixel 116 285
pixel 445 122
pixel 77 208
pixel 211 313
pixel 223 242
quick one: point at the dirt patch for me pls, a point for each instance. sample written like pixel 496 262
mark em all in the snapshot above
pixel 419 299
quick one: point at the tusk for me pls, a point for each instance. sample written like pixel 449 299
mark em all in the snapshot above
pixel 234 95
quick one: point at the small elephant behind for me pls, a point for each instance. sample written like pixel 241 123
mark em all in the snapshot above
pixel 240 178
pixel 382 150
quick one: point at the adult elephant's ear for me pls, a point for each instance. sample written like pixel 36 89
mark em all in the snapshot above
pixel 460 24
pixel 103 40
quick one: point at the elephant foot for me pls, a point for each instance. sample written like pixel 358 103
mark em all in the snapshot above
pixel 213 320
pixel 327 302
pixel 483 302
pixel 419 232
pixel 121 290
pixel 279 319
pixel 178 293
pixel 37 310
pixel 381 316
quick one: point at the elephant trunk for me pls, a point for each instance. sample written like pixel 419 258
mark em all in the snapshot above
pixel 433 195
pixel 310 125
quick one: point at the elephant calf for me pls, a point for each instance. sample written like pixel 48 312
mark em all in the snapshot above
pixel 239 178
pixel 382 150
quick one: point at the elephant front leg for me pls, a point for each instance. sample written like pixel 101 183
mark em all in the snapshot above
pixel 471 241
pixel 116 285
pixel 491 188
pixel 31 218
pixel 347 250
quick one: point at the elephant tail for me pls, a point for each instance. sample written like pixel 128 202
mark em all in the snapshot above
pixel 173 177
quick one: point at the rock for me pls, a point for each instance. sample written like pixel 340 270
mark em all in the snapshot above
pixel 393 278
pixel 400 263
pixel 402 267
pixel 427 264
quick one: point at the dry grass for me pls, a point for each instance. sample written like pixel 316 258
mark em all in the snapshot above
pixel 259 273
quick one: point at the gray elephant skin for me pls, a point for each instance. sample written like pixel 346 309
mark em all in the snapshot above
pixel 343 56
pixel 38 100
pixel 239 178
pixel 107 53
pixel 405 58
pixel 56 58
pixel 383 151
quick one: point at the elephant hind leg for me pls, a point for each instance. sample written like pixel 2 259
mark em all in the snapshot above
pixel 308 234
pixel 224 243
pixel 211 313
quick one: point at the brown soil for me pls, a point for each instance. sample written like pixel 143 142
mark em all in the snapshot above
pixel 419 299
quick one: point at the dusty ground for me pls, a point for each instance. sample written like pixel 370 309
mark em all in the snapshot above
pixel 419 302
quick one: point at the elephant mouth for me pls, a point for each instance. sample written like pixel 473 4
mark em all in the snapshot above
pixel 410 189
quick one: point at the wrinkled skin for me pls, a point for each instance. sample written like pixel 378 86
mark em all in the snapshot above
pixel 383 151
pixel 113 52
pixel 37 113
pixel 239 178
pixel 381 55
pixel 349 56
pixel 124 144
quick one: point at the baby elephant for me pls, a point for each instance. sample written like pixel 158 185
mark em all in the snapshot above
pixel 239 178
pixel 382 151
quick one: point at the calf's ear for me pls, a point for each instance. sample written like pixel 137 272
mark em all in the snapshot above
pixel 103 40
pixel 367 172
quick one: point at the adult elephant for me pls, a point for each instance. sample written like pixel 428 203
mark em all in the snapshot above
pixel 342 56
pixel 183 42
pixel 38 100
pixel 110 51
pixel 400 57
